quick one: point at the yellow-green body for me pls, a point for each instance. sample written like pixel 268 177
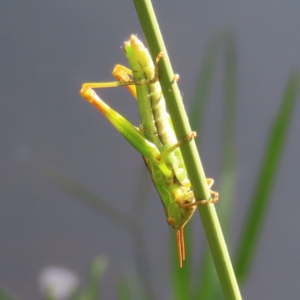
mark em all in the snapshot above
pixel 173 186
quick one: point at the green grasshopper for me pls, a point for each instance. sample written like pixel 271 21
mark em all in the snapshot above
pixel 155 139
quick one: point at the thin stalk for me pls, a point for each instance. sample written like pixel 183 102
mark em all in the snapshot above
pixel 189 150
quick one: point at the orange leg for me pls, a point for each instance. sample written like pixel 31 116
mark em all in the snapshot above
pixel 180 245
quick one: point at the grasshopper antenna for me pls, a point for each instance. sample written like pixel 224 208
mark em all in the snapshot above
pixel 180 245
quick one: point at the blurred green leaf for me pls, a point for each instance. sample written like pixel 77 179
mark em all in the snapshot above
pixel 123 290
pixel 50 295
pixel 207 71
pixel 266 178
pixel 86 196
pixel 78 294
pixel 5 295
pixel 209 287
pixel 97 270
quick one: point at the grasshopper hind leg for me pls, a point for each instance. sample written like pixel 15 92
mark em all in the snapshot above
pixel 189 136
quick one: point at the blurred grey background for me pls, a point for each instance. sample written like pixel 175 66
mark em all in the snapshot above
pixel 48 49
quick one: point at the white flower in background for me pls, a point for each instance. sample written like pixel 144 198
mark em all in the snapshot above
pixel 59 281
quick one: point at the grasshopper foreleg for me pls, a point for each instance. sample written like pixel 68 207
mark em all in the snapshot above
pixel 189 136
pixel 124 77
pixel 213 199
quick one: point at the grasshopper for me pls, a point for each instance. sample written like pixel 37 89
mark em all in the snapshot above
pixel 155 139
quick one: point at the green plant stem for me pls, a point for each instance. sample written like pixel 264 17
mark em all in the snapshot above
pixel 189 150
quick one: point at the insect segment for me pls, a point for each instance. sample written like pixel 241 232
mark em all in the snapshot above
pixel 155 139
